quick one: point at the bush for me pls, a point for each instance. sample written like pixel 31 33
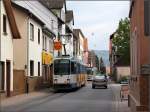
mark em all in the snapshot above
pixel 123 79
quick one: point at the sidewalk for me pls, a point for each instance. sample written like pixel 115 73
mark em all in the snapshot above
pixel 119 106
pixel 23 98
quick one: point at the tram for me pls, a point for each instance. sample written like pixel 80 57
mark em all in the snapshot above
pixel 68 74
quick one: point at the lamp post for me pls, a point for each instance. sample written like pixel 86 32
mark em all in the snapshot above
pixel 67 38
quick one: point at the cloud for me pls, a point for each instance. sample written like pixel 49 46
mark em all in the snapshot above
pixel 100 18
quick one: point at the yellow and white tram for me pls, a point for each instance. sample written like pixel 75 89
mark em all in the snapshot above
pixel 68 74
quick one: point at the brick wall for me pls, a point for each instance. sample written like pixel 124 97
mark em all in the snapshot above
pixel 140 48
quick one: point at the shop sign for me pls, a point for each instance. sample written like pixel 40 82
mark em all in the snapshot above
pixel 47 58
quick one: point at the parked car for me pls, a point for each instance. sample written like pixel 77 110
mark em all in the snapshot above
pixel 100 80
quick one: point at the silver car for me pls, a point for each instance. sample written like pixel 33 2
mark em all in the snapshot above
pixel 99 80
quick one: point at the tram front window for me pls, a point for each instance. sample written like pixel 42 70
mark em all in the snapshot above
pixel 62 67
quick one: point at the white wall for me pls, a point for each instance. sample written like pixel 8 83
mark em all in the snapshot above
pixel 81 40
pixel 6 44
pixel 48 42
pixel 35 49
pixel 122 71
pixel 43 13
pixel 69 46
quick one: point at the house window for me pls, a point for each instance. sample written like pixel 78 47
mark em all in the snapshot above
pixel 50 46
pixel 39 68
pixel 39 34
pixel 43 42
pixel 31 32
pixel 4 24
pixel 31 68
pixel 2 76
pixel 147 17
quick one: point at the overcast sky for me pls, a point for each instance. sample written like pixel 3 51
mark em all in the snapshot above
pixel 98 20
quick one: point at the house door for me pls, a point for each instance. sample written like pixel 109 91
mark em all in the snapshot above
pixel 8 76
pixel 2 76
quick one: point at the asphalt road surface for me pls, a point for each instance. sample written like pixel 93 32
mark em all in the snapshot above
pixel 85 99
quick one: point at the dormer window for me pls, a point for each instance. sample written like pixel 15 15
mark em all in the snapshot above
pixel 4 24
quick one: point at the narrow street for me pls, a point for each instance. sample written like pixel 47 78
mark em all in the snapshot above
pixel 82 100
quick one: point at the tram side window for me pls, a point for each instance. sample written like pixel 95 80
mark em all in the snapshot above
pixel 78 68
pixel 81 69
pixel 84 69
pixel 73 68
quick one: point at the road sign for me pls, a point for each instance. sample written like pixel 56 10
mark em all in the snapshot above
pixel 57 45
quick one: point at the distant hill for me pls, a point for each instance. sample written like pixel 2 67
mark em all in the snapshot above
pixel 104 54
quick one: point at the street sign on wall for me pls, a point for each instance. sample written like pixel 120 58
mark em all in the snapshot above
pixel 57 45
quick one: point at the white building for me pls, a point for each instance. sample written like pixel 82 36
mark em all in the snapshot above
pixel 8 33
pixel 58 7
pixel 39 29
pixel 80 44
pixel 68 40
pixel 27 50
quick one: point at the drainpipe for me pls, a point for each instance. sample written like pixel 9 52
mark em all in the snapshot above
pixel 0 29
pixel 27 75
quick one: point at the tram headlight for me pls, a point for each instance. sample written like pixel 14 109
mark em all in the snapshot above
pixel 55 80
pixel 68 80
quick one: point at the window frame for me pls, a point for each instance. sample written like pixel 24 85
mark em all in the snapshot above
pixel 146 18
pixel 4 24
pixel 31 32
pixel 2 88
pixel 32 69
pixel 39 69
pixel 39 36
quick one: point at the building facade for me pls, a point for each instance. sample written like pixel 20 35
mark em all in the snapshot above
pixel 68 40
pixel 58 7
pixel 91 59
pixel 139 99
pixel 37 33
pixel 79 44
pixel 27 59
pixel 47 57
pixel 6 52
pixel 85 52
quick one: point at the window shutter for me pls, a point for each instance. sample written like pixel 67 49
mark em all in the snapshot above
pixel 147 17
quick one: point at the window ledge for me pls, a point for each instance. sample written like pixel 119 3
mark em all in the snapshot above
pixel 145 69
pixel 2 91
pixel 34 76
pixel 5 33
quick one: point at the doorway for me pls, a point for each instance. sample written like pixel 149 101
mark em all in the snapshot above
pixel 2 76
pixel 8 77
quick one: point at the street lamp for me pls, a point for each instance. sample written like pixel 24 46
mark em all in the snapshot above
pixel 67 38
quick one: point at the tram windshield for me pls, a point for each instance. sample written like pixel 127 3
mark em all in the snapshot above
pixel 62 67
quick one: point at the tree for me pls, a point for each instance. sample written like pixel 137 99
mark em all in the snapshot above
pixel 121 41
pixel 102 67
pixel 97 62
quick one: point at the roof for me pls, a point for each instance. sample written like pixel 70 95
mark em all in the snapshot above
pixel 41 12
pixel 11 19
pixel 77 31
pixel 69 15
pixel 131 7
pixel 53 4
pixel 27 11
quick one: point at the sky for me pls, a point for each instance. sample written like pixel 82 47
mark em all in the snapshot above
pixel 98 20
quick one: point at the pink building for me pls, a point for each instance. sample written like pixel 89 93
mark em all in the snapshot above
pixel 85 54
